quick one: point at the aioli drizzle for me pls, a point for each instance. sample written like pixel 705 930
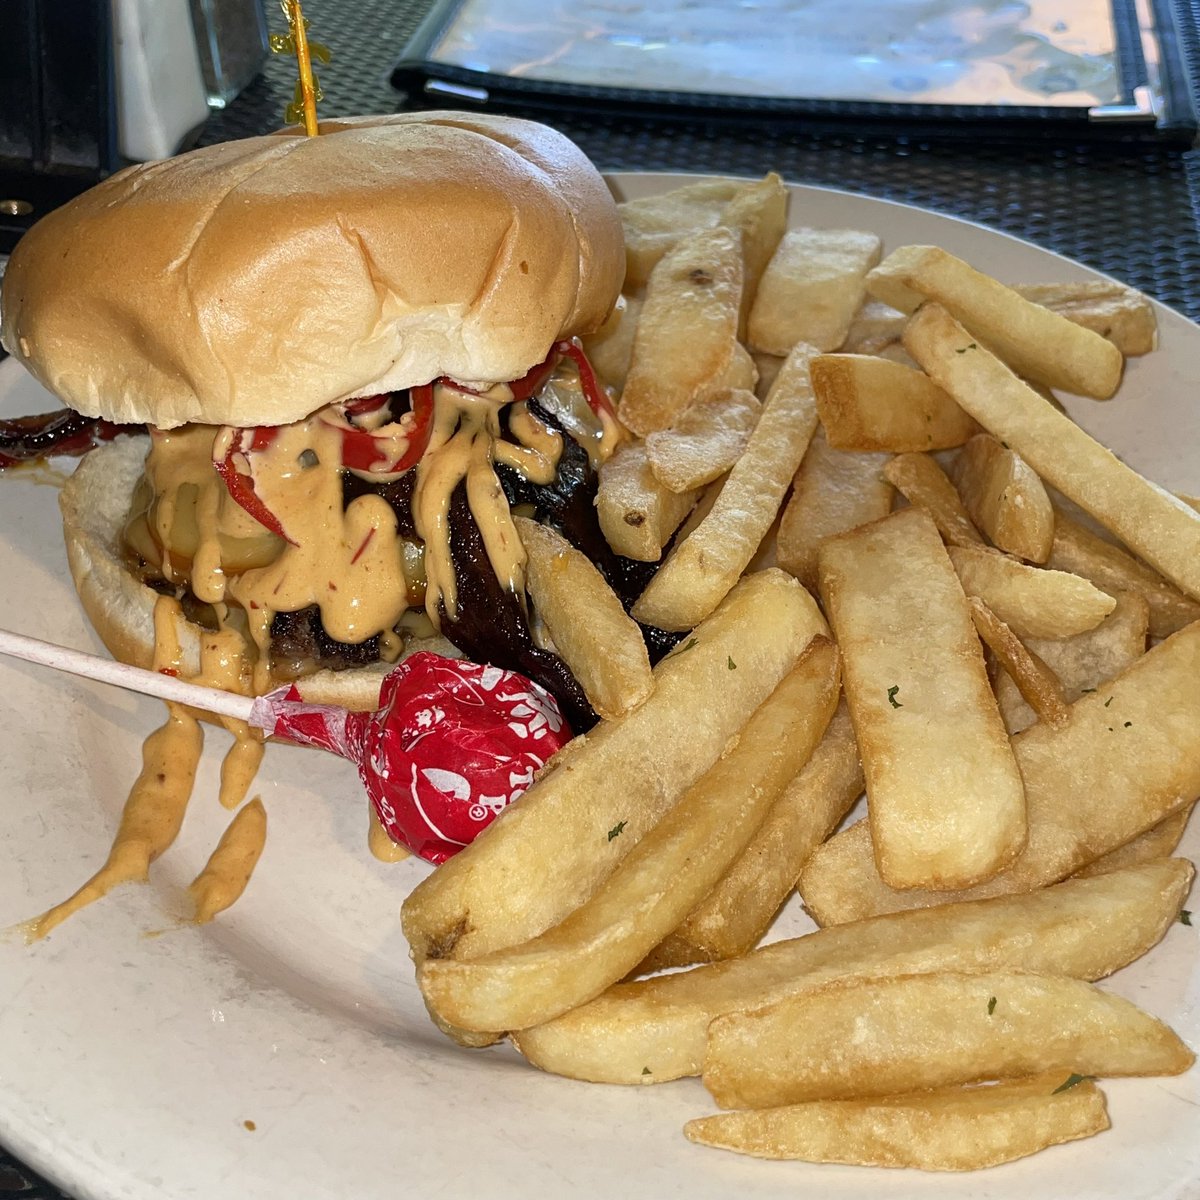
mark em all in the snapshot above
pixel 150 820
pixel 380 843
pixel 231 864
pixel 158 800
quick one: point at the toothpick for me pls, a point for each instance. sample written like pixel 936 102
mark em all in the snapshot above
pixel 308 88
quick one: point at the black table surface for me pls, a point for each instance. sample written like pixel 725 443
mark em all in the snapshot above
pixel 1129 210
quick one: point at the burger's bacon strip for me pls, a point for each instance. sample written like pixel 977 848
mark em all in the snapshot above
pixel 27 439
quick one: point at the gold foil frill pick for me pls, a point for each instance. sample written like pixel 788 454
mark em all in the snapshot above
pixel 303 108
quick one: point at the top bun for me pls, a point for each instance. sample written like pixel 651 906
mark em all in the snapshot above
pixel 253 282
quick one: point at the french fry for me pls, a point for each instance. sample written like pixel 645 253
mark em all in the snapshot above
pixel 759 211
pixel 1037 683
pixel 930 1031
pixel 740 372
pixel 1150 521
pixel 768 367
pixel 1083 662
pixel 919 479
pixel 1005 498
pixel 1114 310
pixel 597 640
pixel 1034 601
pixel 832 492
pixel 687 332
pixel 611 347
pixel 1082 552
pixel 703 566
pixel 811 289
pixel 705 441
pixel 947 807
pixel 875 404
pixel 1034 341
pixel 1155 845
pixel 552 849
pixel 670 869
pixel 638 514
pixel 1132 748
pixel 653 1030
pixel 654 224
pixel 951 1129
pixel 735 914
pixel 875 328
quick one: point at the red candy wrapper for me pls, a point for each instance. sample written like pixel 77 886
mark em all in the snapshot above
pixel 451 745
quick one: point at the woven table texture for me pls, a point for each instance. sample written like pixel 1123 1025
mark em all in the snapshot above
pixel 1129 211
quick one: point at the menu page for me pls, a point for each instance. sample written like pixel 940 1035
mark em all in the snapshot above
pixel 1035 53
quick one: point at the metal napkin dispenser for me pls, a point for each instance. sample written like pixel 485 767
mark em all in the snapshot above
pixel 88 85
pixel 58 132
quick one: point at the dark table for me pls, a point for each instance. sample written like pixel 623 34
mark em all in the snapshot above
pixel 1131 211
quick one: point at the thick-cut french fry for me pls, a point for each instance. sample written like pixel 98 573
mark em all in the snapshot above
pixel 703 566
pixel 919 479
pixel 1114 310
pixel 1082 552
pixel 740 372
pixel 1154 524
pixel 1083 662
pixel 654 224
pixel 947 807
pixel 638 514
pixel 705 441
pixel 674 865
pixel 687 332
pixel 1035 602
pixel 759 210
pixel 833 492
pixel 551 849
pixel 861 1038
pixel 875 328
pixel 732 918
pixel 653 1030
pixel 868 403
pixel 1154 845
pixel 951 1129
pixel 1005 498
pixel 1036 681
pixel 811 289
pixel 1132 748
pixel 1034 341
pixel 611 347
pixel 597 639
pixel 768 366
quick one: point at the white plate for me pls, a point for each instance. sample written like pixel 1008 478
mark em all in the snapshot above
pixel 130 1063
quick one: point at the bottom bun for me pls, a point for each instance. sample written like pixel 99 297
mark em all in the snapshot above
pixel 95 505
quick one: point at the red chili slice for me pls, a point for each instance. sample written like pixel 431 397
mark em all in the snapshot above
pixel 595 395
pixel 363 450
pixel 240 486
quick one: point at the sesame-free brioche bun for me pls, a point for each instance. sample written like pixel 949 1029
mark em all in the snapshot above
pixel 253 282
pixel 120 607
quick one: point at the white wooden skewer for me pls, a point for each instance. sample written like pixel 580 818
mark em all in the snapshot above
pixel 133 679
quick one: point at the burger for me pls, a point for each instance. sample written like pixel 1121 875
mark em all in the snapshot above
pixel 356 355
